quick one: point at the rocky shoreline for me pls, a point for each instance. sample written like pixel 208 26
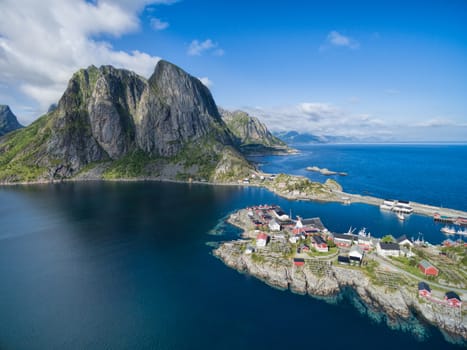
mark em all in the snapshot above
pixel 332 193
pixel 327 280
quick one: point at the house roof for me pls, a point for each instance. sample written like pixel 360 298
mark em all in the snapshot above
pixel 344 259
pixel 389 246
pixel 343 236
pixel 319 240
pixel 356 248
pixel 426 264
pixel 262 236
pixel 424 286
pixel 452 295
pixel 402 238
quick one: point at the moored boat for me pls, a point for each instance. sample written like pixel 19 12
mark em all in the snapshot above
pixel 449 230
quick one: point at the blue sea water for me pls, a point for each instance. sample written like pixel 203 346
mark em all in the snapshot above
pixel 129 266
pixel 434 174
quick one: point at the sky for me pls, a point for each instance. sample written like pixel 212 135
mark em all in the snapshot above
pixel 372 70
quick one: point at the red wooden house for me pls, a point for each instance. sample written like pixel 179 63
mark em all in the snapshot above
pixel 427 268
pixel 453 299
pixel 424 289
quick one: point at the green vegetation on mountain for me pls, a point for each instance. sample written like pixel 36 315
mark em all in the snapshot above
pixel 113 124
pixel 252 135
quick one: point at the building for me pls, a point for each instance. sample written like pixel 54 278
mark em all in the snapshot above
pixel 424 289
pixel 249 249
pixel 261 240
pixel 388 249
pixel 427 268
pixel 274 225
pixel 404 241
pixel 365 242
pixel 320 244
pixel 449 243
pixel 406 252
pixel 343 260
pixel 453 299
pixel 343 240
pixel 293 239
pixel 403 207
pixel 356 254
pixel 280 214
pixel 387 204
pixel 298 262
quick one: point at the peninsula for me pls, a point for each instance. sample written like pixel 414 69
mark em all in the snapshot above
pixel 397 277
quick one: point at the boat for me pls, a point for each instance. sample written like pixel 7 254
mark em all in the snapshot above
pixel 448 230
pixel 362 232
pixel 400 216
pixel 387 204
pixel 462 232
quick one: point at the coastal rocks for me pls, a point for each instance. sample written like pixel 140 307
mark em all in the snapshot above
pixel 397 305
pixel 324 171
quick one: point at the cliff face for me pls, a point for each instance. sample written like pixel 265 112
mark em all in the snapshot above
pixel 251 134
pixel 135 127
pixel 328 280
pixel 8 121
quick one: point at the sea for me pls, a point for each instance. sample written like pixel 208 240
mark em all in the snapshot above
pixel 129 265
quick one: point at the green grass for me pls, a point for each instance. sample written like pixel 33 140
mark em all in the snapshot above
pixel 132 165
pixel 19 150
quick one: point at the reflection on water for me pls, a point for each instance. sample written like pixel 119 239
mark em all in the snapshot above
pixel 126 265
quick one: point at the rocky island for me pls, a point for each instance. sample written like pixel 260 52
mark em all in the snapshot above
pixel 303 256
pixel 325 171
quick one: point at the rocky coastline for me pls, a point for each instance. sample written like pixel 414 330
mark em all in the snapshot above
pixel 397 305
pixel 394 295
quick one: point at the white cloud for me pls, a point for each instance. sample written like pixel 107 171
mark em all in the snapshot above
pixel 323 119
pixel 43 42
pixel 158 24
pixel 206 81
pixel 336 39
pixel 439 123
pixel 197 48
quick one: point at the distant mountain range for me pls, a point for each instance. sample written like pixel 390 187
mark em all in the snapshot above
pixel 297 138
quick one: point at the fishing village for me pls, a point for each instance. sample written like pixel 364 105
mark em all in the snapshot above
pixel 396 276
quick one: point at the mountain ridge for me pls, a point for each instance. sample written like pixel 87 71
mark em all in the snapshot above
pixel 113 123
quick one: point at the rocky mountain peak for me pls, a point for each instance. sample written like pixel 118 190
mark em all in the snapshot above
pixel 8 121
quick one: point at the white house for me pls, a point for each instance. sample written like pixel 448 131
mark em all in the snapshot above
pixel 274 225
pixel 388 249
pixel 403 240
pixel 356 253
pixel 293 239
pixel 261 240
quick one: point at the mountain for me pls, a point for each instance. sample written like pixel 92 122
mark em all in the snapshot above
pixel 251 135
pixel 8 121
pixel 112 123
pixel 297 138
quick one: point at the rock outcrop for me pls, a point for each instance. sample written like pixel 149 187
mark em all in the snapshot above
pixel 8 121
pixel 397 305
pixel 137 127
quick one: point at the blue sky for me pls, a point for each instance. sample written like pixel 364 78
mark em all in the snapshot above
pixel 385 70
